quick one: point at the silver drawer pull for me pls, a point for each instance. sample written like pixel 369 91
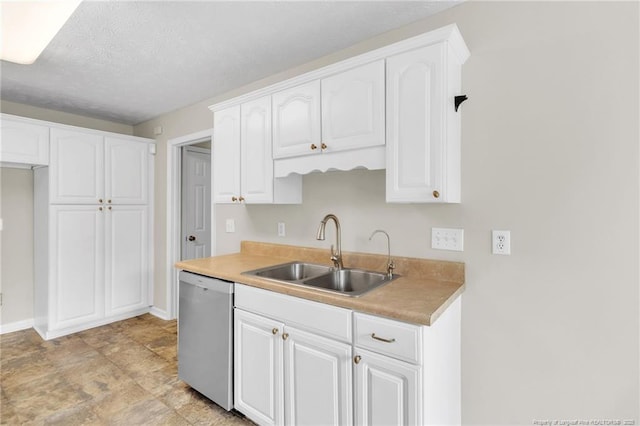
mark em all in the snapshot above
pixel 382 339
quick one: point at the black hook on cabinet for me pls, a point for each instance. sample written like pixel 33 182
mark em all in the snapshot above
pixel 458 100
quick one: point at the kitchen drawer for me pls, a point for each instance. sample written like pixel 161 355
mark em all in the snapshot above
pixel 319 318
pixel 388 337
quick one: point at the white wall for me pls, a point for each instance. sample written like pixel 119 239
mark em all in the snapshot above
pixel 16 245
pixel 550 151
pixel 16 201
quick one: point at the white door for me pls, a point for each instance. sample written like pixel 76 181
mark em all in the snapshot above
pixel 353 108
pixel 256 164
pixel 296 121
pixel 388 391
pixel 258 368
pixel 415 96
pixel 196 203
pixel 76 167
pixel 76 250
pixel 126 258
pixel 126 171
pixel 24 143
pixel 317 377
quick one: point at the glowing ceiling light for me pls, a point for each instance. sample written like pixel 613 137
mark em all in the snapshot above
pixel 29 26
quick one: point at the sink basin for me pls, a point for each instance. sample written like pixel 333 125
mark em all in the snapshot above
pixel 349 281
pixel 294 271
pixel 346 282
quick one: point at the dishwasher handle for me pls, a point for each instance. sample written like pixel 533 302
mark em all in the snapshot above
pixel 206 283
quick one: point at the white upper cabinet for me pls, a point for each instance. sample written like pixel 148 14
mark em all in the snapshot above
pixel 22 142
pixel 353 108
pixel 296 121
pixel 226 155
pixel 350 106
pixel 423 128
pixel 89 168
pixel 127 171
pixel 256 163
pixel 392 108
pixel 242 157
pixel 77 167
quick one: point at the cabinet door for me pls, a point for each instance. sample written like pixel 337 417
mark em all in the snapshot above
pixel 296 121
pixel 317 376
pixel 226 155
pixel 23 143
pixel 353 108
pixel 415 125
pixel 76 251
pixel 76 167
pixel 388 391
pixel 126 171
pixel 126 258
pixel 258 368
pixel 256 164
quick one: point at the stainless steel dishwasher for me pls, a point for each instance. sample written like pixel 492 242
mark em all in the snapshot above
pixel 205 336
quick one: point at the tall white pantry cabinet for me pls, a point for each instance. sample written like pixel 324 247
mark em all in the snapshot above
pixel 92 227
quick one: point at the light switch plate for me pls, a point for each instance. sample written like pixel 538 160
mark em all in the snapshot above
pixel 231 225
pixel 447 239
pixel 281 229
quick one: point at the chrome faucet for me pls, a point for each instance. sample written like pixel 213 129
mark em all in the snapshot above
pixel 336 256
pixel 390 265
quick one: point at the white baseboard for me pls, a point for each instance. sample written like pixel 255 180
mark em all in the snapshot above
pixel 16 326
pixel 160 313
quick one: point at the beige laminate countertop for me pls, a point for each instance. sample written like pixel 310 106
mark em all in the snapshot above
pixel 422 292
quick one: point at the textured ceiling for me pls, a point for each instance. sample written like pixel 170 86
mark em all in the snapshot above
pixel 130 61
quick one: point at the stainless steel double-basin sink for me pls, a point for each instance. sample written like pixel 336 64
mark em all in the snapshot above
pixel 347 281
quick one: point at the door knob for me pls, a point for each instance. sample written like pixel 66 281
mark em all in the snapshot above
pixel 191 238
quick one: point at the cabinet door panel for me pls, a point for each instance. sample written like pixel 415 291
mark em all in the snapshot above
pixel 126 260
pixel 318 379
pixel 415 125
pixel 77 266
pixel 226 155
pixel 256 165
pixel 127 171
pixel 353 108
pixel 23 143
pixel 258 368
pixel 296 120
pixel 388 391
pixel 76 167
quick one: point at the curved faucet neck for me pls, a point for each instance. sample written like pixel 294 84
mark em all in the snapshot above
pixel 336 256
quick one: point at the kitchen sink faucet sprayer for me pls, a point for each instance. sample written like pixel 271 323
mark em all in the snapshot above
pixel 390 265
pixel 336 256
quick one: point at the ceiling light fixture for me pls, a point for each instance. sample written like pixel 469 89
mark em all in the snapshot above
pixel 29 26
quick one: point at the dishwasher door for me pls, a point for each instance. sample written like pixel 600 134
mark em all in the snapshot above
pixel 205 336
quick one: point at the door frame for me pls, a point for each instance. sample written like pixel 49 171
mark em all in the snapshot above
pixel 174 223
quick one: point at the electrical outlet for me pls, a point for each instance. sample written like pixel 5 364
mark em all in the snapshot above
pixel 501 242
pixel 447 239
pixel 281 229
pixel 231 225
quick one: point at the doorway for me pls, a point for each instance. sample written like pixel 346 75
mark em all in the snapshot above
pixel 174 216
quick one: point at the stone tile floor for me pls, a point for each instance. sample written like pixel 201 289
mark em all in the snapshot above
pixel 123 373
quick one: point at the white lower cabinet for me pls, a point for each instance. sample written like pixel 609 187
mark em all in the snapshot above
pixel 284 375
pixel 299 362
pixel 317 377
pixel 258 379
pixel 387 391
pixel 293 363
